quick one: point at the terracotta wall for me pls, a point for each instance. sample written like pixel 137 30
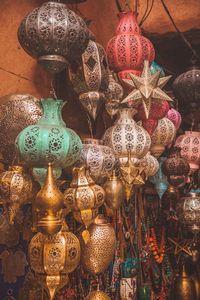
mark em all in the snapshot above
pixel 33 79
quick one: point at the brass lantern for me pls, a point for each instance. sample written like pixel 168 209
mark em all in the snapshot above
pixel 84 197
pixel 52 258
pixel 16 189
pixel 97 295
pixel 97 254
pixel 47 207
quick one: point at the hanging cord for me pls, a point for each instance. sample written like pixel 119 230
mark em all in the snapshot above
pixel 194 53
pixel 147 13
pixel 118 5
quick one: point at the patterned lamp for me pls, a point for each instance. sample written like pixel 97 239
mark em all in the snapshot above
pixel 175 117
pixel 49 140
pixel 154 68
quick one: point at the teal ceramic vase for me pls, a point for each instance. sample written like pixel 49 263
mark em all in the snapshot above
pixel 155 68
pixel 49 140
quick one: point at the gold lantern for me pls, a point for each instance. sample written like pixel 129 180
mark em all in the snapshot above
pixel 114 191
pixel 53 257
pixel 97 295
pixel 84 197
pixel 97 254
pixel 16 189
pixel 47 207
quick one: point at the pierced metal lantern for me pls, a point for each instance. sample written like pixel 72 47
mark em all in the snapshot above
pixel 150 165
pixel 155 68
pixel 98 252
pixel 186 88
pixel 40 174
pixel 97 295
pixel 90 77
pixel 98 158
pixel 17 111
pixel 49 140
pixel 188 211
pixel 54 35
pixel 52 258
pixel 175 117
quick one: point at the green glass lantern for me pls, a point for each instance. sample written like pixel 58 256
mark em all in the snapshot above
pixel 48 140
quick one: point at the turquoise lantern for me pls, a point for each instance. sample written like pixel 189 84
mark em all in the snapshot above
pixel 49 140
pixel 155 68
pixel 159 179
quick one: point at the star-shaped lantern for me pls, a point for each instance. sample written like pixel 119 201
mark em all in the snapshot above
pixel 146 88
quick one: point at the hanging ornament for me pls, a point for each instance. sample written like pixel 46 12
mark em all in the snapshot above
pixel 175 117
pixel 114 191
pixel 49 140
pixel 98 252
pixel 147 88
pixel 128 49
pixel 163 135
pixel 159 179
pixel 54 35
pixel 90 78
pixel 186 88
pixel 190 148
pixel 98 158
pixel 84 197
pixel 176 168
pixel 17 112
pixel 16 189
pixel 47 207
pixel 125 135
pixel 114 95
pixel 40 174
pixel 52 258
pixel 97 295
pixel 188 212
pixel 154 68
pixel 150 165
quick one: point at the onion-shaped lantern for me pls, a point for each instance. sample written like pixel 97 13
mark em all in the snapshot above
pixel 90 78
pixel 17 112
pixel 128 49
pixel 126 136
pixel 175 117
pixel 52 258
pixel 190 148
pixel 188 211
pixel 98 158
pixel 159 179
pixel 49 140
pixel 176 168
pixel 84 197
pixel 150 165
pixel 97 254
pixel 163 135
pixel 54 35
pixel 155 68
pixel 97 295
pixel 186 88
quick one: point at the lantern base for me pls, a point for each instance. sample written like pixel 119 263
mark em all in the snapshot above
pixel 53 63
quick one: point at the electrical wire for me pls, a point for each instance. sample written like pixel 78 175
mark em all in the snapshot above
pixel 144 19
pixel 118 5
pixel 146 10
pixel 194 53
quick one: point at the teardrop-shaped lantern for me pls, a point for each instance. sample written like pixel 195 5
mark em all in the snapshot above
pixel 159 179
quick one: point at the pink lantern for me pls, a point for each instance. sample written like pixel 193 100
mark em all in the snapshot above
pixel 150 125
pixel 190 148
pixel 175 117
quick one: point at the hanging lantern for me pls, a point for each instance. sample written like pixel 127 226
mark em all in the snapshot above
pixel 186 88
pixel 114 95
pixel 16 189
pixel 54 35
pixel 98 158
pixel 114 191
pixel 159 179
pixel 163 135
pixel 90 78
pixel 47 207
pixel 52 258
pixel 17 112
pixel 154 68
pixel 97 254
pixel 84 197
pixel 127 136
pixel 128 49
pixel 188 211
pixel 190 148
pixel 40 174
pixel 150 165
pixel 97 295
pixel 176 168
pixel 49 140
pixel 175 117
